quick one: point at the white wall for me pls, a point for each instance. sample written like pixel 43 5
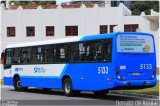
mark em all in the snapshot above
pixel 87 20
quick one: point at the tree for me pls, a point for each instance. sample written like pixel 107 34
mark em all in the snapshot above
pixel 144 6
pixel 136 12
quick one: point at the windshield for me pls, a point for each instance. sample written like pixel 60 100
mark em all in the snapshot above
pixel 135 43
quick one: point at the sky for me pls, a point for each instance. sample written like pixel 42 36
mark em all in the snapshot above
pixel 61 1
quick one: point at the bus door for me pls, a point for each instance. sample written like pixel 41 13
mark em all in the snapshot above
pixel 7 72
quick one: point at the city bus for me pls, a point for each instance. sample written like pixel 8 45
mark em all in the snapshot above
pixel 97 63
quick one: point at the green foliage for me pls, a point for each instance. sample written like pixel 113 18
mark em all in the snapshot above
pixel 136 12
pixel 144 6
pixel 21 3
pixel 147 91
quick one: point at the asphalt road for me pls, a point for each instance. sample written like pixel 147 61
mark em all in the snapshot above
pixel 40 97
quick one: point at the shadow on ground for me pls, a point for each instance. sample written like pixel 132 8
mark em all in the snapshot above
pixel 87 95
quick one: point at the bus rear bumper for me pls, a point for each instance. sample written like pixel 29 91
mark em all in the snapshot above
pixel 134 84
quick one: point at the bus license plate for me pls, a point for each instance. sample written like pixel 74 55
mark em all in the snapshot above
pixel 135 73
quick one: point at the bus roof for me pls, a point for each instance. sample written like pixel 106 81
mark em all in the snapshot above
pixel 72 39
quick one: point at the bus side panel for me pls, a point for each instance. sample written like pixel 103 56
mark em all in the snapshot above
pixel 8 79
pixel 26 81
pixel 91 76
pixel 43 76
pixel 46 82
pixel 41 81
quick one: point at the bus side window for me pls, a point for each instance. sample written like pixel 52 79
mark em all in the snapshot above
pixel 94 51
pixel 90 51
pixel 50 54
pixel 98 50
pixel 25 55
pixel 16 56
pixel 82 51
pixel 37 55
pixel 62 54
pixel 74 52
pixel 107 50
pixel 8 59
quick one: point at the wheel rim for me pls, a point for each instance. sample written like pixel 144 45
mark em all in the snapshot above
pixel 19 84
pixel 67 87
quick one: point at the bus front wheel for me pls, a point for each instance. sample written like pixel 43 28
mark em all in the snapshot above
pixel 67 87
pixel 101 93
pixel 17 85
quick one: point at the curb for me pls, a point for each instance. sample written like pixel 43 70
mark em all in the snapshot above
pixel 135 94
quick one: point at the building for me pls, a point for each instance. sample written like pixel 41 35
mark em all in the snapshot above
pixel 100 3
pixel 26 24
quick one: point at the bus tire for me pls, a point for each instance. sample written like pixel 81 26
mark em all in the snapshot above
pixel 101 93
pixel 67 87
pixel 17 85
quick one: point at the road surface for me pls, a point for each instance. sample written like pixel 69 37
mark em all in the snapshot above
pixel 40 97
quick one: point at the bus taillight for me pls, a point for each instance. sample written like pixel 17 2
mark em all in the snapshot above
pixel 154 71
pixel 117 73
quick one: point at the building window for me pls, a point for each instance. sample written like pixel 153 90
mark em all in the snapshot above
pixel 49 30
pixel 11 32
pixel 103 29
pixel 130 27
pixel 71 30
pixel 30 31
pixel 111 28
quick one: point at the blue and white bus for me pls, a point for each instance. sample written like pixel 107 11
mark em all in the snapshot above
pixel 98 63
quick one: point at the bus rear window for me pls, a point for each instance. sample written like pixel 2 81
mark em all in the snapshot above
pixel 135 43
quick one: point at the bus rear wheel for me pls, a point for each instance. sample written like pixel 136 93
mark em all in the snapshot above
pixel 101 93
pixel 17 85
pixel 67 87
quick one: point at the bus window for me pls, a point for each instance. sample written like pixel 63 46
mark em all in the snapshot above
pixel 8 55
pixel 50 54
pixel 94 51
pixel 62 53
pixel 74 52
pixel 37 55
pixel 90 51
pixel 25 55
pixel 82 51
pixel 98 50
pixel 107 50
pixel 16 56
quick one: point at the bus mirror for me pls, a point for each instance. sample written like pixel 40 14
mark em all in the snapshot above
pixel 2 58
